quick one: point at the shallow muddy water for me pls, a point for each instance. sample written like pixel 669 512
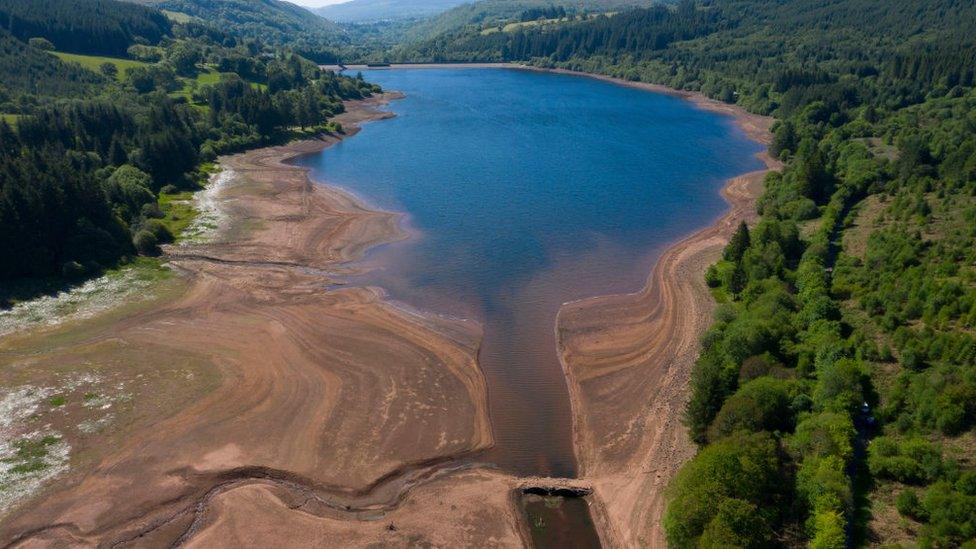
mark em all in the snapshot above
pixel 546 518
pixel 523 191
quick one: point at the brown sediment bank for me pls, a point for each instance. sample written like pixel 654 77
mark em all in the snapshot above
pixel 334 410
pixel 628 360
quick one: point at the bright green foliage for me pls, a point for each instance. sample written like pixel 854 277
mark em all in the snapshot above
pixel 873 334
pixel 839 386
pixel 732 486
pixel 760 405
pixel 912 460
pixel 823 484
pixel 829 528
pixel 129 189
pixel 951 516
pixel 736 523
pixel 823 435
pixel 100 64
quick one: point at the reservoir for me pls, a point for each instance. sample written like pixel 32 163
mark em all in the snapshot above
pixel 521 191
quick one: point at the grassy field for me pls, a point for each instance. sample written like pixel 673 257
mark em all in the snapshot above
pixel 517 25
pixel 178 17
pixel 206 77
pixel 93 62
pixel 178 211
pixel 178 208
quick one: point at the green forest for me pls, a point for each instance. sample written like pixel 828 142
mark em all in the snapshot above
pixel 274 22
pixel 834 401
pixel 83 26
pixel 89 145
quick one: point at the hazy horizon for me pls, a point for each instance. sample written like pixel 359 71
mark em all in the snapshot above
pixel 317 3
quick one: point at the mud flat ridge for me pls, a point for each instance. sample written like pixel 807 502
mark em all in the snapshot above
pixel 334 415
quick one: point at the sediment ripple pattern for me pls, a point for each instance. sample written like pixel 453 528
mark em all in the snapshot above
pixel 332 403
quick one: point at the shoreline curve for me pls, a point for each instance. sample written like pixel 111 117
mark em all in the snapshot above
pixel 628 357
pixel 332 406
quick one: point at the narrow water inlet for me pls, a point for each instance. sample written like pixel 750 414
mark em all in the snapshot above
pixel 557 518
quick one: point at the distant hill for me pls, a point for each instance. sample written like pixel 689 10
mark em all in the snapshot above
pixel 272 21
pixel 361 11
pixel 101 27
pixel 489 12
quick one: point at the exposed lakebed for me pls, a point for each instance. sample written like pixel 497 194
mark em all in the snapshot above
pixel 522 191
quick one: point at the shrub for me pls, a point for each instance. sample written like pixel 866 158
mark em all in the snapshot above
pixel 951 517
pixel 129 189
pixel 149 54
pixel 72 270
pixel 712 277
pixel 108 69
pixel 839 386
pixel 151 211
pixel 740 467
pixel 41 43
pixel 824 486
pixel 755 367
pixel 822 435
pixel 737 524
pixel 711 382
pixel 913 460
pixel 829 528
pixel 159 231
pixel 146 243
pixel 762 404
pixel 967 483
pixel 909 505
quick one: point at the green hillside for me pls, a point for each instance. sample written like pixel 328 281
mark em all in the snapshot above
pixel 91 144
pixel 28 71
pixel 273 21
pixel 357 11
pixel 105 27
pixel 475 16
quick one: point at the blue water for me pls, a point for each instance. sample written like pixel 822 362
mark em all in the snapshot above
pixel 523 191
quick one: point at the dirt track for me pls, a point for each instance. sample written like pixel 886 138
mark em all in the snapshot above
pixel 331 402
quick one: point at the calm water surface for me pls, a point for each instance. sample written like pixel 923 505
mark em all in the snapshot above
pixel 526 190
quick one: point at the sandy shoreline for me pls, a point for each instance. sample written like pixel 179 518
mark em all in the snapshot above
pixel 628 358
pixel 335 415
